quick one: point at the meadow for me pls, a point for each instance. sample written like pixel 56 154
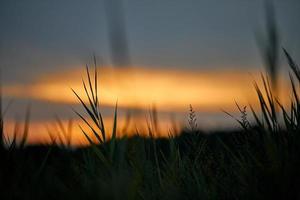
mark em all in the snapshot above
pixel 260 160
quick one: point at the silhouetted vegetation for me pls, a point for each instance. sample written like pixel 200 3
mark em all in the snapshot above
pixel 259 161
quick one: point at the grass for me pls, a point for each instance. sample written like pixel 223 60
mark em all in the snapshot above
pixel 258 161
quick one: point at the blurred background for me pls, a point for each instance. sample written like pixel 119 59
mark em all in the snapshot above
pixel 163 54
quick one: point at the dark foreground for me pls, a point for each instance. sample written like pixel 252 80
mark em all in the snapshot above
pixel 248 164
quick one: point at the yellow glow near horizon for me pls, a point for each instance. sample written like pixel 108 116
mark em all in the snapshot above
pixel 138 87
pixel 46 130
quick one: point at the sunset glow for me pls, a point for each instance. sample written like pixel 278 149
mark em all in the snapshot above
pixel 141 88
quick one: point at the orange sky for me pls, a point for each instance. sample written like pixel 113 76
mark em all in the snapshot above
pixel 138 87
pixel 141 87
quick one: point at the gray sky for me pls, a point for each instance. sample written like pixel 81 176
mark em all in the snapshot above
pixel 41 36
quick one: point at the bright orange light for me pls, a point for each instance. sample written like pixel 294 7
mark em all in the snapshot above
pixel 138 87
pixel 47 130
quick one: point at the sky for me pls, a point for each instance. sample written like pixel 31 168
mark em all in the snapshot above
pixel 43 40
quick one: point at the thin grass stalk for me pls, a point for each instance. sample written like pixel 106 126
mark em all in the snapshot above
pixel 26 127
pixel 114 134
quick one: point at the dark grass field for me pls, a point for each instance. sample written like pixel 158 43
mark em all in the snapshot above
pixel 261 160
pixel 249 164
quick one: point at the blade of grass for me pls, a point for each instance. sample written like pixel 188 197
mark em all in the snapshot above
pixel 26 127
